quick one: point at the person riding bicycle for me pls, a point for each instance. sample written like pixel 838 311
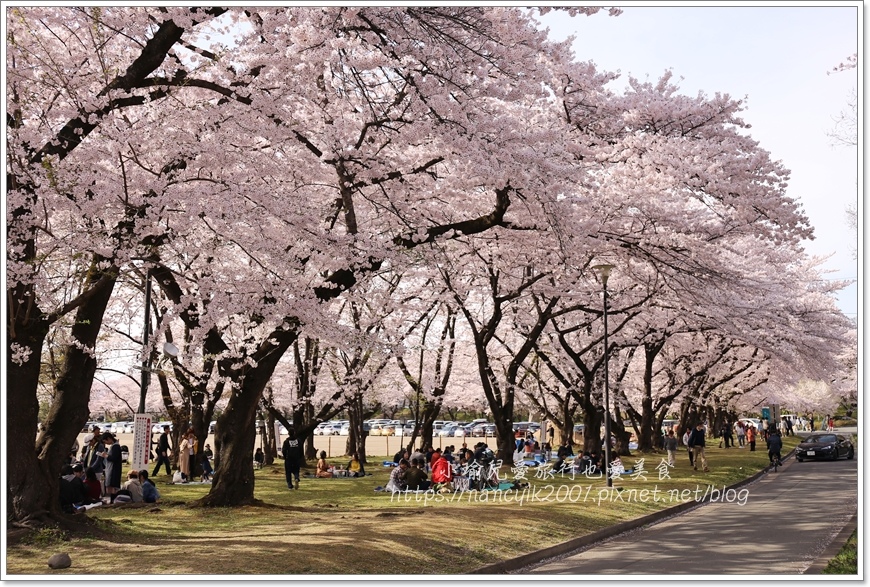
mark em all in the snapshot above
pixel 774 447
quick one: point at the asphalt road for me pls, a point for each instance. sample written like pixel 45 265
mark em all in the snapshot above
pixel 787 520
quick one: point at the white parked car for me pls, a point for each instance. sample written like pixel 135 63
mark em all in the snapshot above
pixel 448 430
pixel 462 431
pixel 344 430
pixel 331 429
pixel 158 427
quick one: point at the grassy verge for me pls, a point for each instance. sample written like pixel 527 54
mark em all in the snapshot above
pixel 342 526
pixel 846 561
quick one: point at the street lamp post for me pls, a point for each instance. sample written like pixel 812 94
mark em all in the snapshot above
pixel 604 271
pixel 146 356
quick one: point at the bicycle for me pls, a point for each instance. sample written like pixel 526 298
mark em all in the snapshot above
pixel 776 461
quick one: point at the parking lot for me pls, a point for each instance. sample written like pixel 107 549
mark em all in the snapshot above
pixel 335 445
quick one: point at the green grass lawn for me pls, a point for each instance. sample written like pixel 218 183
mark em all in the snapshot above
pixel 342 526
pixel 846 561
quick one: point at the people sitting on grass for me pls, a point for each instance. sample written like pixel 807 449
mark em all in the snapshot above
pixel 73 493
pixel 259 458
pixel 419 454
pixel 93 485
pixel 323 469
pixel 416 477
pixel 565 449
pixel 546 451
pixel 355 467
pixel 561 465
pixel 617 468
pixel 529 450
pixel 149 491
pixel 134 486
pixel 397 477
pixel 590 463
pixel 442 472
pixel 436 454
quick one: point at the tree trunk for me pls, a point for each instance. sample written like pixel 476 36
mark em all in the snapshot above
pixel 33 474
pixel 593 420
pixel 593 417
pixel 564 423
pixel 28 496
pixel 431 411
pixel 355 436
pixel 236 428
pixel 271 446
pixel 304 425
pixel 504 428
pixel 646 439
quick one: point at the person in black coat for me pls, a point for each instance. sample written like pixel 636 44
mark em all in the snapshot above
pixel 73 493
pixel 291 452
pixel 774 447
pixel 163 453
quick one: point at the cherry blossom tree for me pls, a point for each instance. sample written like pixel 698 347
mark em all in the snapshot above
pixel 57 210
pixel 271 187
pixel 429 379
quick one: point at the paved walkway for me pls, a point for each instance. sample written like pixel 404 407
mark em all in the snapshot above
pixel 786 522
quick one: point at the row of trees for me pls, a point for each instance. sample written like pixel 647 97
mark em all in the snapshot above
pixel 335 195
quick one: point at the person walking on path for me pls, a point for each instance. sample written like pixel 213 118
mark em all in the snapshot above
pixel 686 436
pixel 671 447
pixel 163 453
pixel 697 442
pixel 291 451
pixel 729 435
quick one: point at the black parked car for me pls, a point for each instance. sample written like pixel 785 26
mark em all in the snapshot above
pixel 825 446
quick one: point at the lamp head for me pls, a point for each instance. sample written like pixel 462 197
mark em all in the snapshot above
pixel 604 271
pixel 170 350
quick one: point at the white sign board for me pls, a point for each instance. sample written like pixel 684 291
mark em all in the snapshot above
pixel 140 457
